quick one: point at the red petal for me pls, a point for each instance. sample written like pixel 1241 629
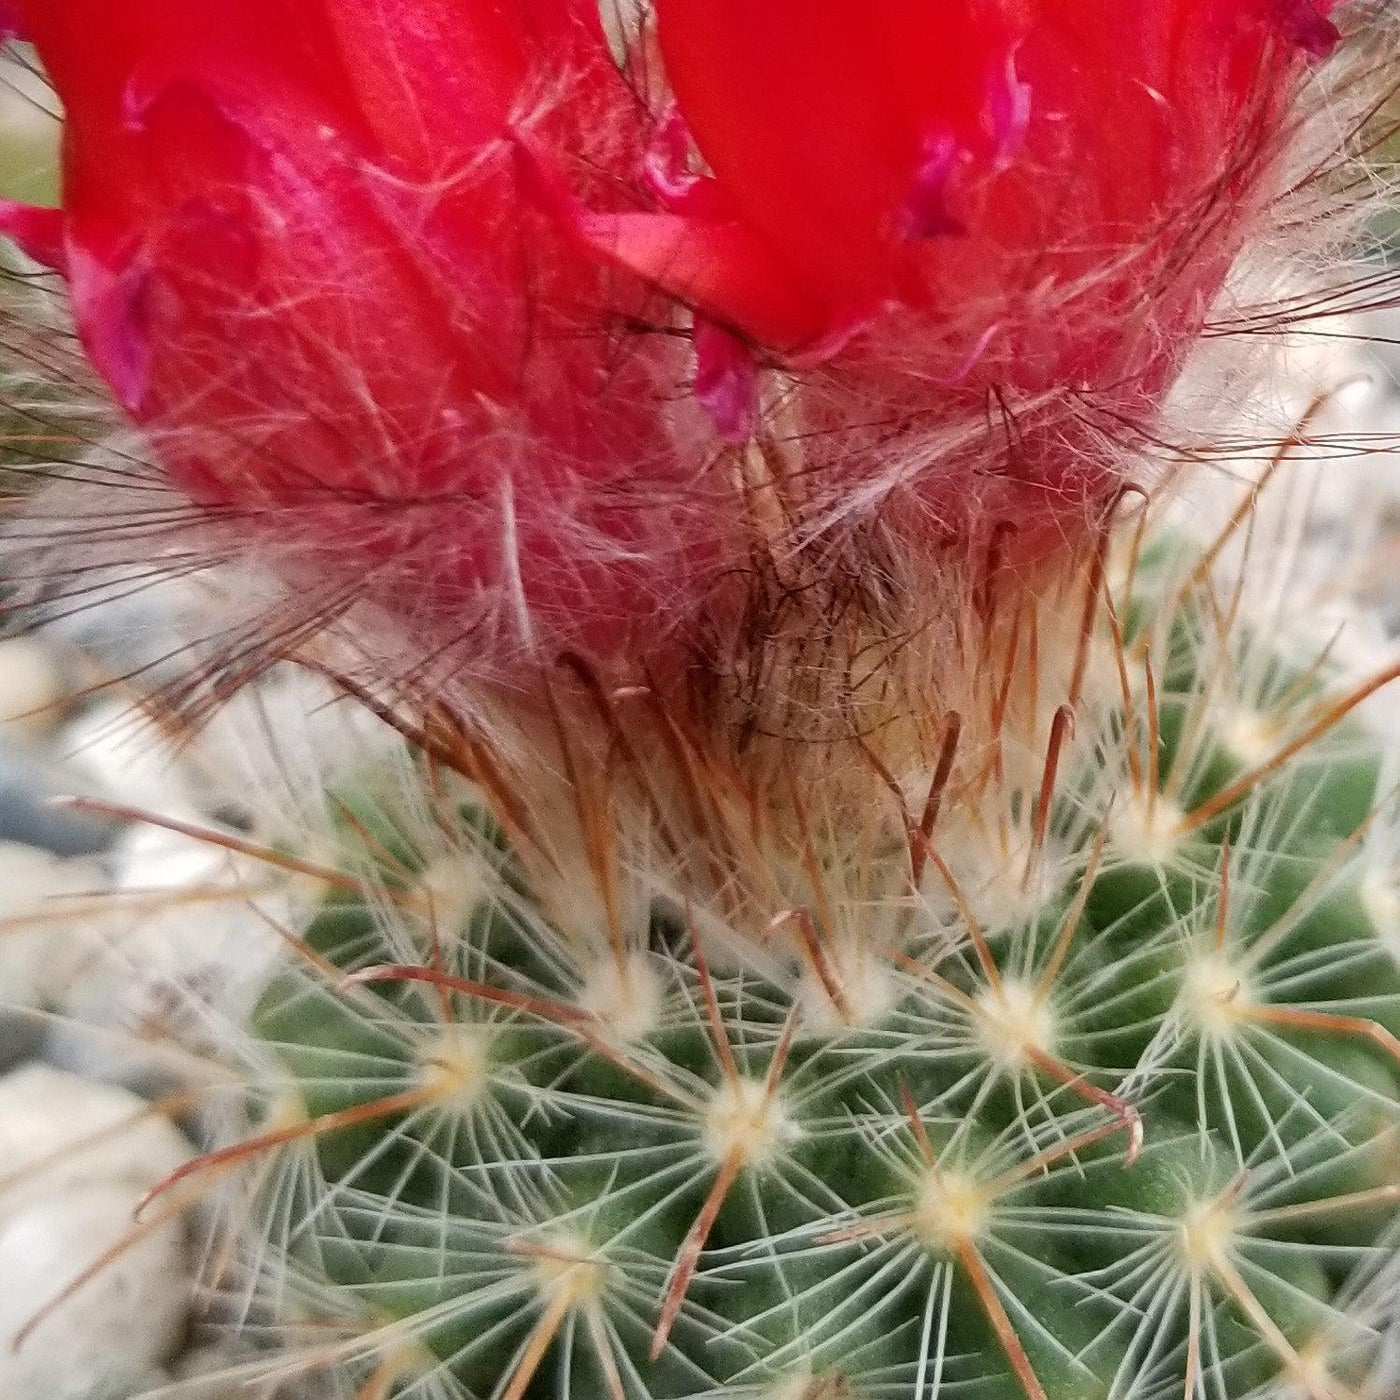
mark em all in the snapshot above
pixel 1306 23
pixel 815 117
pixel 110 59
pixel 91 47
pixel 717 267
pixel 720 268
pixel 437 76
pixel 40 233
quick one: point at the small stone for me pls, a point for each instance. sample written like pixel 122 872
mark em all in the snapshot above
pixel 1379 333
pixel 131 624
pixel 34 691
pixel 49 928
pixel 127 1383
pixel 121 752
pixel 130 1316
pixel 21 1038
pixel 48 919
pixel 216 1373
pixel 78 1158
pixel 30 815
pixel 186 953
pixel 58 1130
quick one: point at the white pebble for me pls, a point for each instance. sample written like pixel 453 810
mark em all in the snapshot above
pixel 215 1373
pixel 77 1158
pixel 223 947
pixel 47 923
pixel 131 1314
pixel 33 687
pixel 60 1131
pixel 187 951
pixel 120 749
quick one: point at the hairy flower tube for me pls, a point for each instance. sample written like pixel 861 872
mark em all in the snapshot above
pixel 428 296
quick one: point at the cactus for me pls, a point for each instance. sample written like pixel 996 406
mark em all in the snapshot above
pixel 1060 1079
pixel 849 918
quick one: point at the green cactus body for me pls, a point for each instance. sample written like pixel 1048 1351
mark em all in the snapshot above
pixel 1137 1138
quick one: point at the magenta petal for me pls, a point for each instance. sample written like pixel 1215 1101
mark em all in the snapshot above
pixel 719 268
pixel 1307 25
pixel 726 380
pixel 926 212
pixel 668 174
pixel 1008 110
pixel 110 302
pixel 666 164
pixel 39 233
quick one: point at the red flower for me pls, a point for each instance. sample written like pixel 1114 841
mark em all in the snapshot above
pixel 1008 211
pixel 863 155
pixel 297 250
pixel 362 269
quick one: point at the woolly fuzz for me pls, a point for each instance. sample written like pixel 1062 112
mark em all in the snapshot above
pixel 662 359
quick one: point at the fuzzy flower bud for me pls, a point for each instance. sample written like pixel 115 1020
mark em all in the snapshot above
pixel 413 289
pixel 297 251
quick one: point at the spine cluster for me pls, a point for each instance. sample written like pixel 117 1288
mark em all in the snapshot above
pixel 1081 1081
